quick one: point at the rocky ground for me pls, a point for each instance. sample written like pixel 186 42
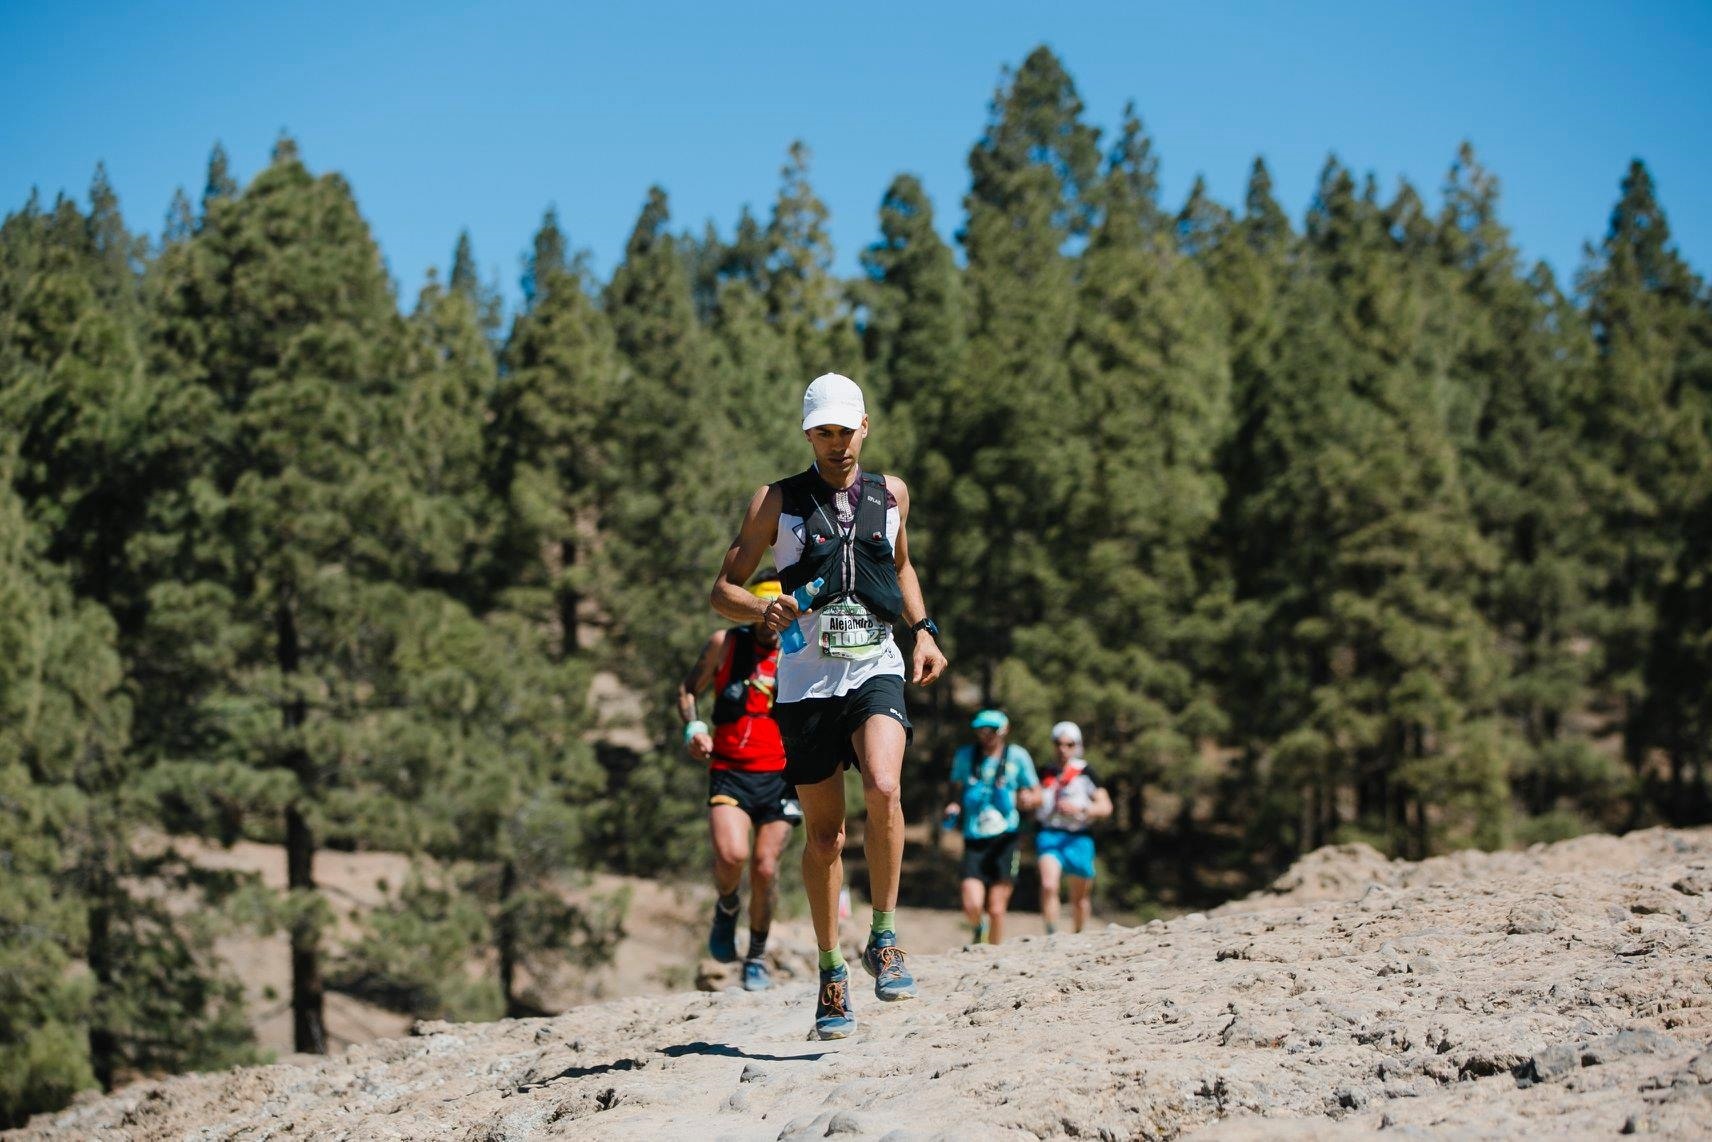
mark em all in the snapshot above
pixel 1564 990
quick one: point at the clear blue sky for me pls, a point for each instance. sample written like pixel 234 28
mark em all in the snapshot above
pixel 446 116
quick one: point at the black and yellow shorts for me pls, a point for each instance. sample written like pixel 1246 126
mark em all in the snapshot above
pixel 761 795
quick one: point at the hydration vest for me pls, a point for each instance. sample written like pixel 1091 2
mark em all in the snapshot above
pixel 745 736
pixel 738 699
pixel 858 563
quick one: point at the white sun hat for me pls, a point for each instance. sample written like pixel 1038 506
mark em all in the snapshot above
pixel 833 398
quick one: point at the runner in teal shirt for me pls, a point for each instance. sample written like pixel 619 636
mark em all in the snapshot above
pixel 992 784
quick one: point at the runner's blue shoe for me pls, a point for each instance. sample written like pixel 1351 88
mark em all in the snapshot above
pixel 885 962
pixel 756 977
pixel 833 1017
pixel 722 938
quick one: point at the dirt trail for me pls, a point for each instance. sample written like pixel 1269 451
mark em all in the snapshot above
pixel 1563 990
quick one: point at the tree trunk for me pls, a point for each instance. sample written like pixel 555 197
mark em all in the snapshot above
pixel 569 599
pixel 1140 849
pixel 103 1043
pixel 505 936
pixel 308 999
pixel 1188 884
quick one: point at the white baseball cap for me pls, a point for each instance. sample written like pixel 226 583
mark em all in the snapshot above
pixel 833 398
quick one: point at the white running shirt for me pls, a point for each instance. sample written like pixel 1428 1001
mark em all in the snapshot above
pixel 808 673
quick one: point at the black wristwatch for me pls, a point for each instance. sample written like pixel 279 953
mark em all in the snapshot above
pixel 927 625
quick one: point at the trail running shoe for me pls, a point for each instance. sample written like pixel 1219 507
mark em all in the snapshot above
pixel 833 1017
pixel 756 977
pixel 722 937
pixel 885 962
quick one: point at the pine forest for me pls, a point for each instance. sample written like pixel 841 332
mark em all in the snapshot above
pixel 1353 526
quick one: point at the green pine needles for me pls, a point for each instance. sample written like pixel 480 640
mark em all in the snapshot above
pixel 1354 529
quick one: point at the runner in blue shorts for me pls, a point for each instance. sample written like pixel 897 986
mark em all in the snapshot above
pixel 1071 800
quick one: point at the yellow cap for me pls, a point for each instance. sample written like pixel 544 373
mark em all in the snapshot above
pixel 767 590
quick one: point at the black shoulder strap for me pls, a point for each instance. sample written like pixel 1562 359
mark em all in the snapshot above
pixel 798 493
pixel 871 512
pixel 741 641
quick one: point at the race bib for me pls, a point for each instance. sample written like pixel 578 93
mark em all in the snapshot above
pixel 849 630
pixel 990 822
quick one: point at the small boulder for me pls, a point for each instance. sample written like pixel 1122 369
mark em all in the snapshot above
pixel 1554 1062
pixel 1655 902
pixel 1534 917
pixel 1624 1044
pixel 1696 882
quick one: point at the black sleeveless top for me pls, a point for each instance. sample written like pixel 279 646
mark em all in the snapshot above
pixel 856 563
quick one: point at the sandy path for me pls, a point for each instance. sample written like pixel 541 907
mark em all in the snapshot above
pixel 1565 990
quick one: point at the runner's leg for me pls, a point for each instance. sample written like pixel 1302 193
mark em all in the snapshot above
pixel 823 854
pixel 998 899
pixel 1050 871
pixel 974 898
pixel 729 827
pixel 770 841
pixel 1081 899
pixel 880 749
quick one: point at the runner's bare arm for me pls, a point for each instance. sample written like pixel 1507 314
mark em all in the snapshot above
pixel 928 662
pixel 700 675
pixel 699 745
pixel 730 596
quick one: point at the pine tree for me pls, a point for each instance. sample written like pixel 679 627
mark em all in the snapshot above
pixel 916 348
pixel 281 313
pixel 1202 223
pixel 464 279
pixel 1029 171
pixel 73 386
pixel 72 886
pixel 549 443
pixel 674 499
pixel 55 655
pixel 1648 420
pixel 1515 395
pixel 1126 639
pixel 1382 668
pixel 219 186
pixel 693 434
pixel 482 739
pixel 804 301
pixel 434 465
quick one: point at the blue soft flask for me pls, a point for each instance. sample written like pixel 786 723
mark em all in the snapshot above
pixel 792 639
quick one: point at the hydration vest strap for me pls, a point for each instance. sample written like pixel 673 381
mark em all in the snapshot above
pixel 871 508
pixel 739 664
pixel 811 499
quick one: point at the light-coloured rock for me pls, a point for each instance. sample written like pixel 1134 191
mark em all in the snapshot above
pixel 1483 995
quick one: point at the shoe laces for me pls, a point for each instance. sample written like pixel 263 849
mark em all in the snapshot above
pixel 832 994
pixel 891 958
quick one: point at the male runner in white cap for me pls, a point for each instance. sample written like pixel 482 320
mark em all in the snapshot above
pixel 840 700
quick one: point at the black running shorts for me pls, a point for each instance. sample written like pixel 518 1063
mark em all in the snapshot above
pixel 992 860
pixel 761 795
pixel 818 731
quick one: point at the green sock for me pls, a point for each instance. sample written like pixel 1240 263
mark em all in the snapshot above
pixel 832 959
pixel 883 922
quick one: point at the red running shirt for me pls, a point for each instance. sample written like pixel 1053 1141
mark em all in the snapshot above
pixel 751 742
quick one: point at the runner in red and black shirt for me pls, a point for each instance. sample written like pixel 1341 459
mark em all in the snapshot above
pixel 746 779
